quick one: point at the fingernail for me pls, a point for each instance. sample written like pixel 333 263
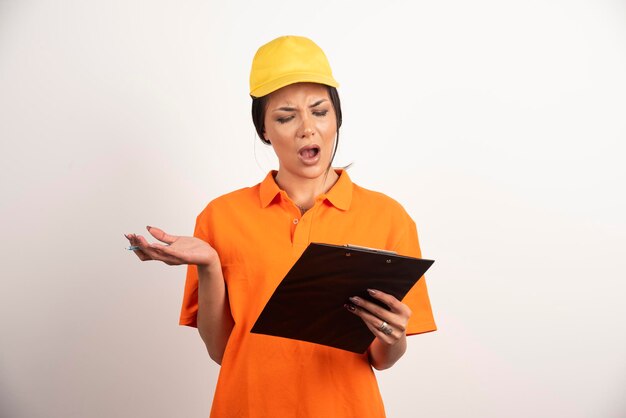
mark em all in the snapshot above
pixel 126 236
pixel 355 300
pixel 148 227
pixel 371 292
pixel 349 307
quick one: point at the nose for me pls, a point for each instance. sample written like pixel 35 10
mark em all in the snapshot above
pixel 306 129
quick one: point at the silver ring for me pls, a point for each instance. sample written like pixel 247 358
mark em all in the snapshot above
pixel 385 328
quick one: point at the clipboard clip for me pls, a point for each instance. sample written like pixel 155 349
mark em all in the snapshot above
pixel 374 250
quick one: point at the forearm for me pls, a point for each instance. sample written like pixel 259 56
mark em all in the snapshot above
pixel 215 321
pixel 383 355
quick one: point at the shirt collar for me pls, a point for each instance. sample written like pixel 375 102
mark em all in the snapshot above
pixel 268 189
pixel 340 195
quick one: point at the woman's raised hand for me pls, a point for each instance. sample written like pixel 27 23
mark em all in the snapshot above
pixel 387 325
pixel 175 250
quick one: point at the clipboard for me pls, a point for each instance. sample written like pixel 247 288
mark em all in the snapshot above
pixel 308 304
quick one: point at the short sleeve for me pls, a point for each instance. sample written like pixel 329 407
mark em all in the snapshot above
pixel 189 310
pixel 417 299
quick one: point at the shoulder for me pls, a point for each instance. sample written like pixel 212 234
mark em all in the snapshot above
pixel 375 202
pixel 231 202
pixel 389 225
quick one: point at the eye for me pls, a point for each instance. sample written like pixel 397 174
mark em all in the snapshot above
pixel 284 119
pixel 320 113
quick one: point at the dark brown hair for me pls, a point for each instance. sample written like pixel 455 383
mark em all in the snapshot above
pixel 259 106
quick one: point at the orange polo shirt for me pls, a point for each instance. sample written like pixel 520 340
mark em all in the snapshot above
pixel 259 234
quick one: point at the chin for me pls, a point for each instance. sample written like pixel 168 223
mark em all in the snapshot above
pixel 313 172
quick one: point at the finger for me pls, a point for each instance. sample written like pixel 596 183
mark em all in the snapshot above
pixel 155 251
pixel 384 331
pixel 161 235
pixel 140 242
pixel 373 308
pixel 373 323
pixel 164 253
pixel 130 240
pixel 398 320
pixel 141 255
pixel 391 301
pixel 149 253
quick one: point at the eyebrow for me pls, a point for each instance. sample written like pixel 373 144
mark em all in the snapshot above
pixel 292 109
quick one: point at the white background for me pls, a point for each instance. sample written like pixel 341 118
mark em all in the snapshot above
pixel 500 126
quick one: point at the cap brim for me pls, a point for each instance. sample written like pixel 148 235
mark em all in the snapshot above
pixel 293 78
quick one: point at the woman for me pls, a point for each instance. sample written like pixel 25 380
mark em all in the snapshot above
pixel 246 241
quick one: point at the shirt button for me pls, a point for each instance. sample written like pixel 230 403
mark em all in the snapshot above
pixel 295 222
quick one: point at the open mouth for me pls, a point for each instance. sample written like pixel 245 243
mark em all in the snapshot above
pixel 309 152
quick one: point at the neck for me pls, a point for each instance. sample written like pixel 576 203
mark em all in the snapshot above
pixel 303 191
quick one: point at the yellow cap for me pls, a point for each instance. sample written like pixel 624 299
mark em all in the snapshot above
pixel 288 60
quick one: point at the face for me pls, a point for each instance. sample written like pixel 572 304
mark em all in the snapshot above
pixel 301 125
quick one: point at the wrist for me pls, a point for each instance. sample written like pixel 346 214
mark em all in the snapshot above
pixel 209 269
